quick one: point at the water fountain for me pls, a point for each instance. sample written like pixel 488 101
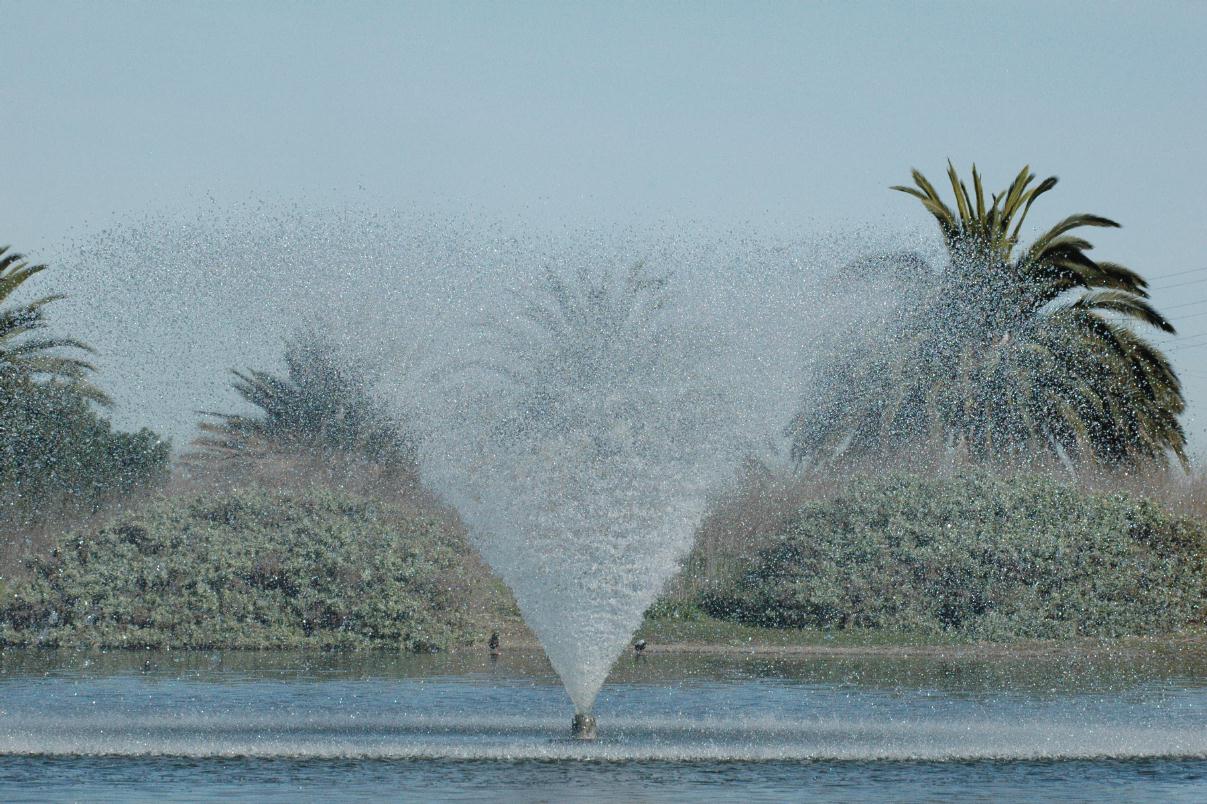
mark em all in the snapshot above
pixel 579 422
pixel 588 436
pixel 406 171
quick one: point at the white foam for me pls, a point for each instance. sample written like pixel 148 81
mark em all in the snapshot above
pixel 648 739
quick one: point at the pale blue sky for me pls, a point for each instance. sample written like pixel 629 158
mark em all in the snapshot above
pixel 789 119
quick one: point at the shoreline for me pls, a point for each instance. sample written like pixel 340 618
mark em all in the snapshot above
pixel 987 650
pixel 1192 644
pixel 719 638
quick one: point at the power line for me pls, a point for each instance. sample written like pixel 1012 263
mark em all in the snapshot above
pixel 1174 344
pixel 1179 284
pixel 1184 304
pixel 1164 336
pixel 1182 273
pixel 1179 340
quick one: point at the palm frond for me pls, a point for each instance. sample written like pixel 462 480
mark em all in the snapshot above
pixel 1125 304
pixel 37 357
pixel 1003 354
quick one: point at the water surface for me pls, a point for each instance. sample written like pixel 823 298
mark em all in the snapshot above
pixel 179 726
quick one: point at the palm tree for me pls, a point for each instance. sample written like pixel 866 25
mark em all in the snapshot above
pixel 599 357
pixel 324 403
pixel 24 357
pixel 1006 353
pixel 580 333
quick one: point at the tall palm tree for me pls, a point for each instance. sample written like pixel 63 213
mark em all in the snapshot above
pixel 27 357
pixel 1006 353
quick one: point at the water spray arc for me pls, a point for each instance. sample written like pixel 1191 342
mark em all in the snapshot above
pixel 588 438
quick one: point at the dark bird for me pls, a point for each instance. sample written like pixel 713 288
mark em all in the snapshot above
pixel 493 643
pixel 639 646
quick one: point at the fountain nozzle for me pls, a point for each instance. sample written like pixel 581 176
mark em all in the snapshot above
pixel 583 726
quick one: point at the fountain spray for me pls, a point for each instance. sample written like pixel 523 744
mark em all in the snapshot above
pixel 589 439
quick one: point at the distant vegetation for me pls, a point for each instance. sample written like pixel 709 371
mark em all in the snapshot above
pixel 58 456
pixel 301 522
pixel 1002 356
pixel 254 569
pixel 58 453
pixel 324 405
pixel 574 339
pixel 972 555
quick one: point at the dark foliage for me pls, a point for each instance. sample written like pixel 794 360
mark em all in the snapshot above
pixel 1002 354
pixel 325 403
pixel 975 556
pixel 250 570
pixel 57 454
pixel 55 448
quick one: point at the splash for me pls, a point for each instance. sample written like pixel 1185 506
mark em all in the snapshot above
pixel 590 436
pixel 664 739
pixel 579 424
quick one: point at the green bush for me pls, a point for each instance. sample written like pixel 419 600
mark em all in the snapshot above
pixel 55 449
pixel 977 556
pixel 249 569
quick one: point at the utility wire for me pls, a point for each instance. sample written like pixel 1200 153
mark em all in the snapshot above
pixel 1181 346
pixel 1182 273
pixel 1176 346
pixel 1165 336
pixel 1180 339
pixel 1184 304
pixel 1179 284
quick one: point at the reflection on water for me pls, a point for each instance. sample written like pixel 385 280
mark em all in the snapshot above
pixel 425 780
pixel 669 725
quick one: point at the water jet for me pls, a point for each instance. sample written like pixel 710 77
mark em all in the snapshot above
pixel 588 438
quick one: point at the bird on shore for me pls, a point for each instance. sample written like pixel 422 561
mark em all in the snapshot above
pixel 639 647
pixel 493 643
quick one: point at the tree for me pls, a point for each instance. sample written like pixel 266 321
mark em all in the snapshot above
pixel 23 356
pixel 1004 354
pixel 575 338
pixel 325 403
pixel 56 452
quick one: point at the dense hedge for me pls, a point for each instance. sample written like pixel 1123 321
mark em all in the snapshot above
pixel 249 570
pixel 56 450
pixel 977 556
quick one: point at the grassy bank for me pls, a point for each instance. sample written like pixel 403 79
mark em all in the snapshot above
pixel 710 635
pixel 865 564
pixel 971 557
pixel 253 570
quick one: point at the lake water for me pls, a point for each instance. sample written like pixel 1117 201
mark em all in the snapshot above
pixel 287 727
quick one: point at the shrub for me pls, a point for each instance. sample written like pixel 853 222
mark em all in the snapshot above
pixel 249 569
pixel 978 556
pixel 55 449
